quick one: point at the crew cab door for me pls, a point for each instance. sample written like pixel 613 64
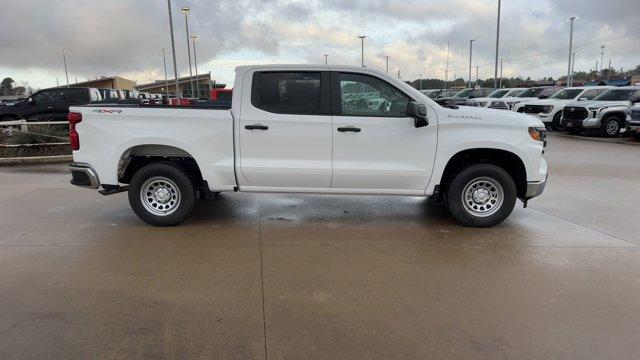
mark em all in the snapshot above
pixel 39 105
pixel 376 146
pixel 285 131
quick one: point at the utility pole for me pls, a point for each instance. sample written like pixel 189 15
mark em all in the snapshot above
pixel 398 73
pixel 166 80
pixel 362 37
pixel 476 84
pixel 470 59
pixel 609 70
pixel 64 59
pixel 420 85
pixel 326 61
pixel 495 74
pixel 446 71
pixel 57 83
pixel 602 60
pixel 185 11
pixel 500 84
pixel 195 63
pixel 571 19
pixel 386 58
pixel 173 50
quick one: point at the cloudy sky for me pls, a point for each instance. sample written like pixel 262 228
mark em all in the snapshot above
pixel 125 37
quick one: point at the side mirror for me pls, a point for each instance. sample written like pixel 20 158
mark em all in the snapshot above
pixel 418 111
pixel 31 101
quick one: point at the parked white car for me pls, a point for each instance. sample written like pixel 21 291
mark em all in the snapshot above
pixel 534 93
pixel 498 94
pixel 549 110
pixel 633 122
pixel 311 129
pixel 606 113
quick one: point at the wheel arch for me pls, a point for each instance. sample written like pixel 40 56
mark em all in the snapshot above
pixel 507 160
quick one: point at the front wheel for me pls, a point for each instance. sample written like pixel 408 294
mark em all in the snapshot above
pixel 610 127
pixel 557 123
pixel 161 194
pixel 482 195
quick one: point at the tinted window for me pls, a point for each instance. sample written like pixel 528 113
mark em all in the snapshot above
pixel 589 94
pixel 73 95
pixel 617 95
pixel 363 95
pixel 568 94
pixel 288 92
pixel 45 96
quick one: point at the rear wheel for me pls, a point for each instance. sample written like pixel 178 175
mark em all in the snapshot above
pixel 557 122
pixel 161 194
pixel 610 127
pixel 481 195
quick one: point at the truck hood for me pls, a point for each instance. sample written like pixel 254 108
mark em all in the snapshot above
pixel 475 116
pixel 518 99
pixel 593 103
pixel 550 102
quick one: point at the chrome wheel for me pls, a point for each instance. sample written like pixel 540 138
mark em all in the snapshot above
pixel 612 127
pixel 482 196
pixel 160 196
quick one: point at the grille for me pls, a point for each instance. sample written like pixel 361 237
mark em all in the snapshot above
pixel 635 114
pixel 575 113
pixel 533 109
pixel 498 105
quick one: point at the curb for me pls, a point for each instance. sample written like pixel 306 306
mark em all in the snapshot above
pixel 34 160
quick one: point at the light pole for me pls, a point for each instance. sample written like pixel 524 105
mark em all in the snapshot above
pixel 476 83
pixel 573 64
pixel 495 74
pixel 173 50
pixel 420 86
pixel 500 84
pixel 195 63
pixel 446 71
pixel 571 19
pixel 362 37
pixel 602 60
pixel 326 61
pixel 64 60
pixel 386 58
pixel 185 11
pixel 470 58
pixel 166 80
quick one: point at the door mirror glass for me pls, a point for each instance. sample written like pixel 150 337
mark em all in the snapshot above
pixel 418 111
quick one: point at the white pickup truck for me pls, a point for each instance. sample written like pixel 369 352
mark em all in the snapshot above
pixel 311 129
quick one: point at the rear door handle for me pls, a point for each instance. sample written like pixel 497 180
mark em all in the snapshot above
pixel 349 128
pixel 256 127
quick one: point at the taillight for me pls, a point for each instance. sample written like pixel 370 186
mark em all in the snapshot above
pixel 74 138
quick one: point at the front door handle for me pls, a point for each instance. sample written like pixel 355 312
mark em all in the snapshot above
pixel 349 128
pixel 256 127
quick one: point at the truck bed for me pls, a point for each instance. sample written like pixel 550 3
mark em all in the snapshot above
pixel 109 132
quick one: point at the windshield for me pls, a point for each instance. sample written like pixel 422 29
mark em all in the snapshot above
pixel 616 95
pixel 498 94
pixel 463 94
pixel 514 92
pixel 532 92
pixel 566 94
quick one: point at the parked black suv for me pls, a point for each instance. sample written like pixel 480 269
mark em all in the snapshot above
pixel 461 97
pixel 49 104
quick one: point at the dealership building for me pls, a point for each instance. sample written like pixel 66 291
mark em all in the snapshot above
pixel 201 82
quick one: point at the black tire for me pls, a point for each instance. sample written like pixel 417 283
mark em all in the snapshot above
pixel 168 187
pixel 636 135
pixel 610 127
pixel 557 122
pixel 487 178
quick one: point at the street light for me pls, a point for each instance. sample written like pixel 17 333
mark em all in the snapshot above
pixel 362 37
pixel 64 59
pixel 195 63
pixel 470 58
pixel 185 11
pixel 495 74
pixel 166 80
pixel 569 75
pixel 173 50
pixel 573 64
pixel 386 58
pixel 446 71
pixel 326 61
pixel 501 61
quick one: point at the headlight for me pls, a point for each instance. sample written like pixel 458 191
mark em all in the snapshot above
pixel 547 109
pixel 538 134
pixel 597 109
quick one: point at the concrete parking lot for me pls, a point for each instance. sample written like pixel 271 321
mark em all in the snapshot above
pixel 332 277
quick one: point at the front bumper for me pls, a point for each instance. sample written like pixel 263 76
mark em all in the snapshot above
pixel 84 175
pixel 535 188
